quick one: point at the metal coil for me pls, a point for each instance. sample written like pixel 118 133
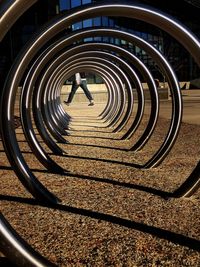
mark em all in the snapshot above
pixel 49 66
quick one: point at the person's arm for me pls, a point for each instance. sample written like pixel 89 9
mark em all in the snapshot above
pixel 78 78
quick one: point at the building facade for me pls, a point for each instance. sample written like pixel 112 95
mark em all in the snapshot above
pixel 186 69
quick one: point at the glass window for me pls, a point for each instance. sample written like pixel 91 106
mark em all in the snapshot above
pixel 89 39
pixel 112 40
pixel 97 21
pixel 106 39
pixel 64 4
pixel 87 23
pixel 111 23
pixel 77 26
pixel 144 35
pixel 143 52
pixel 86 2
pixel 117 41
pixel 97 39
pixel 137 50
pixel 75 3
pixel 104 21
pixel 123 42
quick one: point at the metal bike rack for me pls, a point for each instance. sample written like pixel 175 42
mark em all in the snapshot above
pixel 11 244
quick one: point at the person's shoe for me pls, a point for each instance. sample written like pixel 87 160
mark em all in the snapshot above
pixel 91 103
pixel 66 102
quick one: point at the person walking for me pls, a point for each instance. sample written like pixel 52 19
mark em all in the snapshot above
pixel 79 80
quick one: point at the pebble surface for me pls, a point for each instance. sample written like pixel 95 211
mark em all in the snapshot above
pixel 112 214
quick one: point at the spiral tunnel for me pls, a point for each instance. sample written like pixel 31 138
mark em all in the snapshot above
pixel 51 58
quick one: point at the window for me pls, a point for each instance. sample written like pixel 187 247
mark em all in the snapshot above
pixel 64 4
pixel 144 35
pixel 104 21
pixel 117 41
pixel 123 42
pixel 77 26
pixel 97 21
pixel 86 2
pixel 97 39
pixel 87 23
pixel 75 3
pixel 111 23
pixel 106 39
pixel 89 39
pixel 138 51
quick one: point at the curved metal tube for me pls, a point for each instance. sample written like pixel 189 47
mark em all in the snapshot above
pixel 72 38
pixel 56 85
pixel 65 64
pixel 116 77
pixel 166 23
pixel 17 250
pixel 24 97
pixel 26 93
pixel 127 11
pixel 38 111
pixel 139 65
pixel 25 110
pixel 22 170
pixel 110 87
pixel 175 29
pixel 59 81
pixel 160 60
pixel 191 184
pixel 65 43
pixel 87 57
pixel 11 244
pixel 10 11
pixel 176 97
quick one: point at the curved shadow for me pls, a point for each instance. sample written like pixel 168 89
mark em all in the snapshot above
pixel 104 147
pixel 128 164
pixel 175 238
pixel 94 127
pixel 95 137
pixel 4 262
pixel 150 190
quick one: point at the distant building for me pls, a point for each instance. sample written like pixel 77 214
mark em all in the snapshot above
pixel 42 11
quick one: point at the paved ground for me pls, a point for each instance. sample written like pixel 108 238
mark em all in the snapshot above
pixel 191 106
pixel 112 213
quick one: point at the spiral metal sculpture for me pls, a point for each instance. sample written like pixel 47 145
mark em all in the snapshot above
pixel 40 95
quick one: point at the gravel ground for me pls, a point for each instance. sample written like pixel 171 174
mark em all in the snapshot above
pixel 112 214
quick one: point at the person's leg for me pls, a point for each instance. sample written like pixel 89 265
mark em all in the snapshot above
pixel 83 85
pixel 72 93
